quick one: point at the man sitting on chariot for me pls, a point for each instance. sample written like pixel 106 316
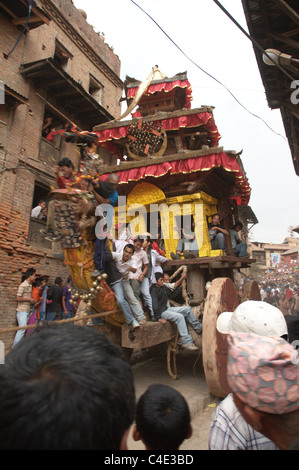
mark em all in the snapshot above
pixel 217 233
pixel 187 245
pixel 178 315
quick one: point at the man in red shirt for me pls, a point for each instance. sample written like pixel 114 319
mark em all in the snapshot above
pixel 289 293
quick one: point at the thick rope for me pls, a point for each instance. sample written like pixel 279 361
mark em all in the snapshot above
pixel 60 322
pixel 184 284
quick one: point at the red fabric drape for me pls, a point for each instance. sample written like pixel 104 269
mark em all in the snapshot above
pixel 166 87
pixel 189 165
pixel 105 137
pixel 189 120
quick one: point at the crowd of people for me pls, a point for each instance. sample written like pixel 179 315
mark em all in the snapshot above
pixel 283 296
pixel 133 263
pixel 49 378
pixel 52 375
pixel 38 302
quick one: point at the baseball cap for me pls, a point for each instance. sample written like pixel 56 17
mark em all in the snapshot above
pixel 253 316
pixel 263 372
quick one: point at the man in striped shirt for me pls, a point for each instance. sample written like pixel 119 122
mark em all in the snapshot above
pixel 25 300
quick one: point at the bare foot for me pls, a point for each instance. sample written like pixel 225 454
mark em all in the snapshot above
pixel 161 320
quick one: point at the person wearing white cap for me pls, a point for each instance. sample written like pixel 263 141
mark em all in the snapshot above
pixel 255 317
pixel 229 430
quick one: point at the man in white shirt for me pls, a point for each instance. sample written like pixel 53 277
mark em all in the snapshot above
pixel 140 259
pixel 126 265
pixel 124 237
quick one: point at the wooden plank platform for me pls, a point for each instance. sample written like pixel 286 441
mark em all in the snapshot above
pixel 147 335
pixel 216 262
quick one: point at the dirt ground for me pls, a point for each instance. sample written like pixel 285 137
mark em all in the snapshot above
pixel 150 366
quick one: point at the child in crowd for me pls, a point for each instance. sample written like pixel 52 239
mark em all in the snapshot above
pixel 162 418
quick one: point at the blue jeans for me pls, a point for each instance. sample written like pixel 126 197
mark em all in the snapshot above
pixel 99 254
pixel 118 289
pixel 22 318
pixel 52 316
pixel 133 302
pixel 179 315
pixel 219 242
pixel 145 291
pixel 240 249
pixel 70 315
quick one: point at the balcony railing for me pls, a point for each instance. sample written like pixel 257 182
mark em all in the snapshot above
pixel 49 152
pixel 35 237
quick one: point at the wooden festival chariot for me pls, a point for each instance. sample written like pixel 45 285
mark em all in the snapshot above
pixel 167 156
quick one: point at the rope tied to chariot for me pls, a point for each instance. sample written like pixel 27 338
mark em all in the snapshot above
pixel 184 283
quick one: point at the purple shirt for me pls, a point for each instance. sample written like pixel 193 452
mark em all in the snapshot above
pixel 67 294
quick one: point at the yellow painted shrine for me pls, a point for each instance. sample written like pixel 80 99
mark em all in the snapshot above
pixel 146 198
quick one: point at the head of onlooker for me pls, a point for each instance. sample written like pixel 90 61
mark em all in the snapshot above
pixel 254 316
pixel 162 418
pixel 128 252
pixel 29 275
pixel 138 242
pixel 66 166
pixel 263 373
pixel 66 387
pixel 58 281
pixel 113 181
pixel 159 279
pixel 238 227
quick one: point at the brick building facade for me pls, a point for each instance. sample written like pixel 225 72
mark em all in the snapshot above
pixel 60 67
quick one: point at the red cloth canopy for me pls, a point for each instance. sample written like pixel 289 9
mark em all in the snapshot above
pixel 189 165
pixel 166 87
pixel 204 119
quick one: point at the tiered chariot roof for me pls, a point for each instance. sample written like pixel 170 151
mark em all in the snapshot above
pixel 165 136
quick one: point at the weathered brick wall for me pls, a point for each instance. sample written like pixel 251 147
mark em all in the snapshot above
pixel 91 55
pixel 20 136
pixel 9 69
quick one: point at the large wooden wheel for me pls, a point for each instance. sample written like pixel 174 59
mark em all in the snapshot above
pixel 250 291
pixel 222 297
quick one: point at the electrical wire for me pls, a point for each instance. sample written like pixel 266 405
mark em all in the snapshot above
pixel 253 40
pixel 207 73
pixel 6 56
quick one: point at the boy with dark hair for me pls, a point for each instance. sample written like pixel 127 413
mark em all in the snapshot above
pixel 39 211
pixel 162 418
pixel 66 387
pixel 177 315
